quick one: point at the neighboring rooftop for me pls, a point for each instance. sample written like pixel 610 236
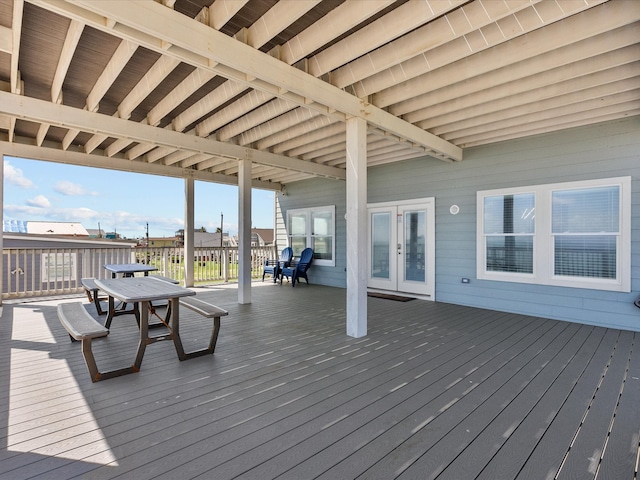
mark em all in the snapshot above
pixel 44 228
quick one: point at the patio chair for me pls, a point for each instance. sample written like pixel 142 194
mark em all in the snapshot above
pixel 272 267
pixel 298 269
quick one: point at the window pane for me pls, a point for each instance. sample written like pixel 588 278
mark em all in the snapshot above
pixel 322 248
pixel 586 256
pixel 298 224
pixel 588 210
pixel 510 253
pixel 298 244
pixel 322 223
pixel 414 246
pixel 381 244
pixel 509 214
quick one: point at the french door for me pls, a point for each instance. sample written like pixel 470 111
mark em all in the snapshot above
pixel 402 247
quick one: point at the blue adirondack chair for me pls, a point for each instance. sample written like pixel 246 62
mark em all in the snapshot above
pixel 298 269
pixel 272 267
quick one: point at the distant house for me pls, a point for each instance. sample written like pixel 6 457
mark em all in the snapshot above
pixel 203 239
pixel 96 233
pixel 158 242
pixel 261 237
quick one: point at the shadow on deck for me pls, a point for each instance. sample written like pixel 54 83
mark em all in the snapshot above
pixel 433 391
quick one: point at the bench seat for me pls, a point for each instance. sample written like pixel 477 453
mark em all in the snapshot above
pixel 82 326
pixel 208 310
pixel 91 289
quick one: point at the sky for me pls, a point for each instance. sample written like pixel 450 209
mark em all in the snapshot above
pixel 121 201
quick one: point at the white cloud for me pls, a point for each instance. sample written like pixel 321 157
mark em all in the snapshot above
pixel 71 189
pixel 39 201
pixel 15 176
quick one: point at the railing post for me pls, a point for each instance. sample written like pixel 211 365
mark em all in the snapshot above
pixel 165 262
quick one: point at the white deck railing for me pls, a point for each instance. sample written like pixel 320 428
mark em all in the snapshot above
pixel 34 272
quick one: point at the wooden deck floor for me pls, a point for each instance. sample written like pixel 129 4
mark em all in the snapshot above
pixel 434 391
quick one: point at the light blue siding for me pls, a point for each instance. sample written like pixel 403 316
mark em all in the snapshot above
pixel 601 151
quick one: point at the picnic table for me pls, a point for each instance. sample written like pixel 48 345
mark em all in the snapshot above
pixel 142 291
pixel 128 269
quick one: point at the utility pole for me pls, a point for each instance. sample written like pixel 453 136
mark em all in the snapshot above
pixel 146 260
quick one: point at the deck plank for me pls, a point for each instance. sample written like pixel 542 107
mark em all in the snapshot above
pixel 583 458
pixel 624 437
pixel 433 389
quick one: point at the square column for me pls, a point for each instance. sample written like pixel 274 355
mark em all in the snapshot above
pixel 357 237
pixel 244 231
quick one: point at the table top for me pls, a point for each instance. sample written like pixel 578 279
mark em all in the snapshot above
pixel 129 268
pixel 141 289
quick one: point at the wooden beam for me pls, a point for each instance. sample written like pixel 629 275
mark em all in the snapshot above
pixel 152 25
pixel 83 120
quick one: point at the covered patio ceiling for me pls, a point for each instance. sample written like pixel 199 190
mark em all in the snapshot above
pixel 185 88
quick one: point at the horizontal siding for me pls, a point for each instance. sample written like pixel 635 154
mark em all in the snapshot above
pixel 321 193
pixel 606 150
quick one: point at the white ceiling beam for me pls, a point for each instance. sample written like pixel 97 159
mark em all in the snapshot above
pixel 6 40
pixel 279 17
pixel 276 126
pixel 487 38
pixel 608 82
pixel 587 51
pixel 24 148
pixel 600 68
pixel 335 23
pixel 578 112
pixel 16 32
pixel 199 109
pixel 68 49
pixel 578 27
pixel 156 74
pixel 308 139
pixel 578 120
pixel 176 157
pixel 221 11
pixel 154 26
pixel 440 31
pixel 307 124
pixel 272 109
pixel 116 64
pixel 68 117
pixel 402 20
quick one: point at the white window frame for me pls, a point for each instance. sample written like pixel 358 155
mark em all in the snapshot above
pixel 543 239
pixel 309 234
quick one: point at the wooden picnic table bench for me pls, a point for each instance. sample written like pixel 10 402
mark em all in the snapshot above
pixel 82 326
pixel 208 310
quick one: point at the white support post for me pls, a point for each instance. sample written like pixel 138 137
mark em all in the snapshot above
pixel 357 227
pixel 244 231
pixel 189 193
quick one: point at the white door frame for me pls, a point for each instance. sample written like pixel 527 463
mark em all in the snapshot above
pixel 393 281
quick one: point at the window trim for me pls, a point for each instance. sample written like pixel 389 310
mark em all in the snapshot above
pixel 543 238
pixel 308 213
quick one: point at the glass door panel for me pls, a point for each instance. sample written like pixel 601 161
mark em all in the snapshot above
pixel 382 238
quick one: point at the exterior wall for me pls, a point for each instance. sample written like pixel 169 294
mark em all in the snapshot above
pixel 321 193
pixel 601 151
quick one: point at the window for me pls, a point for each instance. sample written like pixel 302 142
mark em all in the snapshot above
pixel 313 227
pixel 570 234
